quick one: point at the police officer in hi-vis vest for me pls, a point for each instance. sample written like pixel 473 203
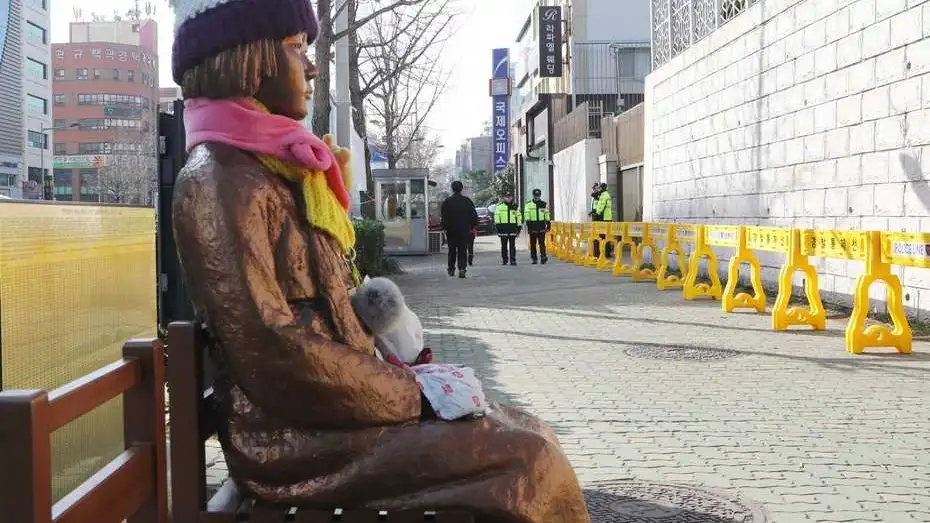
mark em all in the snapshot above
pixel 507 220
pixel 537 219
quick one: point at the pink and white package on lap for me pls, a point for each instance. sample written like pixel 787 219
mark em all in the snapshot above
pixel 453 391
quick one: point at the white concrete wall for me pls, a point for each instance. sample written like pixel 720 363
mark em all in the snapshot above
pixel 575 169
pixel 799 113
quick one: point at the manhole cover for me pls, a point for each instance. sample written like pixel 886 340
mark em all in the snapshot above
pixel 677 352
pixel 637 501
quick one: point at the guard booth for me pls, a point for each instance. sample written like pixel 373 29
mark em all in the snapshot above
pixel 402 202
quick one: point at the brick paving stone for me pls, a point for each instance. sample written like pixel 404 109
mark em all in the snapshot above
pixel 792 421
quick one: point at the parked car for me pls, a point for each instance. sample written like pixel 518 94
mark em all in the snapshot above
pixel 485 221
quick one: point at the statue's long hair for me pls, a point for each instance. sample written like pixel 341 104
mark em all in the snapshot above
pixel 233 73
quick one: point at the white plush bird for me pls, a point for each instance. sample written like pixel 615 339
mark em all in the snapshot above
pixel 380 305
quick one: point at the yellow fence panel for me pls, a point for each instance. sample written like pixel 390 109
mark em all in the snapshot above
pixel 691 288
pixel 625 244
pixel 909 249
pixel 879 250
pixel 76 282
pixel 849 245
pixel 722 235
pixel 685 233
pixel 899 336
pixel 770 239
pixel 670 234
pixel 738 237
pixel 647 243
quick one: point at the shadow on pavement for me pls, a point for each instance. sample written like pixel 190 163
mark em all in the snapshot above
pixel 476 354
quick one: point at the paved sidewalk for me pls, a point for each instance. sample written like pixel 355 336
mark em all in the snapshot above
pixel 674 411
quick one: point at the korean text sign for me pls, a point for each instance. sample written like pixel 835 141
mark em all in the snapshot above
pixel 550 42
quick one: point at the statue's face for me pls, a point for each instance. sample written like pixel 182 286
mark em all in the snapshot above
pixel 289 92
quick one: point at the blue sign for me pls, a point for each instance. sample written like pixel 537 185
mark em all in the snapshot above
pixel 500 111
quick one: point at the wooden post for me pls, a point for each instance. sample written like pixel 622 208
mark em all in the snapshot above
pixel 25 458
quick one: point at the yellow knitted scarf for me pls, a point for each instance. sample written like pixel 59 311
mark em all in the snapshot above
pixel 324 212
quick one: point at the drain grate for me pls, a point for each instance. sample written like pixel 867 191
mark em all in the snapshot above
pixel 638 501
pixel 682 353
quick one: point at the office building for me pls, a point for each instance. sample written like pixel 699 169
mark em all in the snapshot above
pixel 25 93
pixel 105 107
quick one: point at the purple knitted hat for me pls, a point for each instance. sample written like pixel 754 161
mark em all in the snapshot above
pixel 204 28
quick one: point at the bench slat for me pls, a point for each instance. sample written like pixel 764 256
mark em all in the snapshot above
pixel 71 401
pixel 266 514
pixel 112 492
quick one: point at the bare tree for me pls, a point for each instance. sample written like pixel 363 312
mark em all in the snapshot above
pixel 327 12
pixel 401 78
pixel 129 176
pixel 398 46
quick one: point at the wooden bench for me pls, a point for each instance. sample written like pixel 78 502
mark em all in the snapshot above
pixel 132 487
pixel 194 420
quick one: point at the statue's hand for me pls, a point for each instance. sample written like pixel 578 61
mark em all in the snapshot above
pixel 343 158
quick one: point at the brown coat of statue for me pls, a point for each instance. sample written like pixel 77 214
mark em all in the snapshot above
pixel 313 418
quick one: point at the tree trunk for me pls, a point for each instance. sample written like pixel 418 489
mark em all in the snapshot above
pixel 324 59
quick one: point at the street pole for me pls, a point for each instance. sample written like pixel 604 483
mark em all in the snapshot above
pixel 343 98
pixel 48 185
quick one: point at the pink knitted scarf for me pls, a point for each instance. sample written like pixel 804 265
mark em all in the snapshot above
pixel 242 124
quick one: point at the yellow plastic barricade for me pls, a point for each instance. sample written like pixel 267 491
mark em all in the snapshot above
pixel 737 237
pixel 610 243
pixel 553 244
pixel 644 231
pixel 621 230
pixel 565 240
pixel 882 249
pixel 783 316
pixel 671 246
pixel 597 229
pixel 691 288
pixel 578 235
pixel 587 234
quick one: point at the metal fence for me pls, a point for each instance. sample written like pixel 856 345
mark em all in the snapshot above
pixel 582 123
pixel 678 24
pixel 622 135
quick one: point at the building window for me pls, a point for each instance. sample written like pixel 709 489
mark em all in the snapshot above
pixel 37 140
pixel 63 185
pixel 61 99
pixel 131 76
pixel 7 180
pixel 35 34
pixel 36 105
pixel 82 74
pixel 59 74
pixel 36 69
pixel 116 74
pixel 635 62
pixel 92 124
pixel 61 148
pixel 38 4
pixel 89 185
pixel 95 148
pixel 59 123
pixel 96 74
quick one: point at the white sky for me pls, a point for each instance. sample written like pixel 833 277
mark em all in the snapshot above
pixel 485 25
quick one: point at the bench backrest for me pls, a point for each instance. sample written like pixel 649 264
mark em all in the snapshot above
pixel 193 419
pixel 131 487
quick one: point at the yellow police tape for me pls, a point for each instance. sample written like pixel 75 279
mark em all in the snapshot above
pixel 635 242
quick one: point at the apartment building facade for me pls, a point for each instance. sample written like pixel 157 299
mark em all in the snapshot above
pixel 105 107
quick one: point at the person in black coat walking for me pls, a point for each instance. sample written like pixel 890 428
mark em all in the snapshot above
pixel 459 217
